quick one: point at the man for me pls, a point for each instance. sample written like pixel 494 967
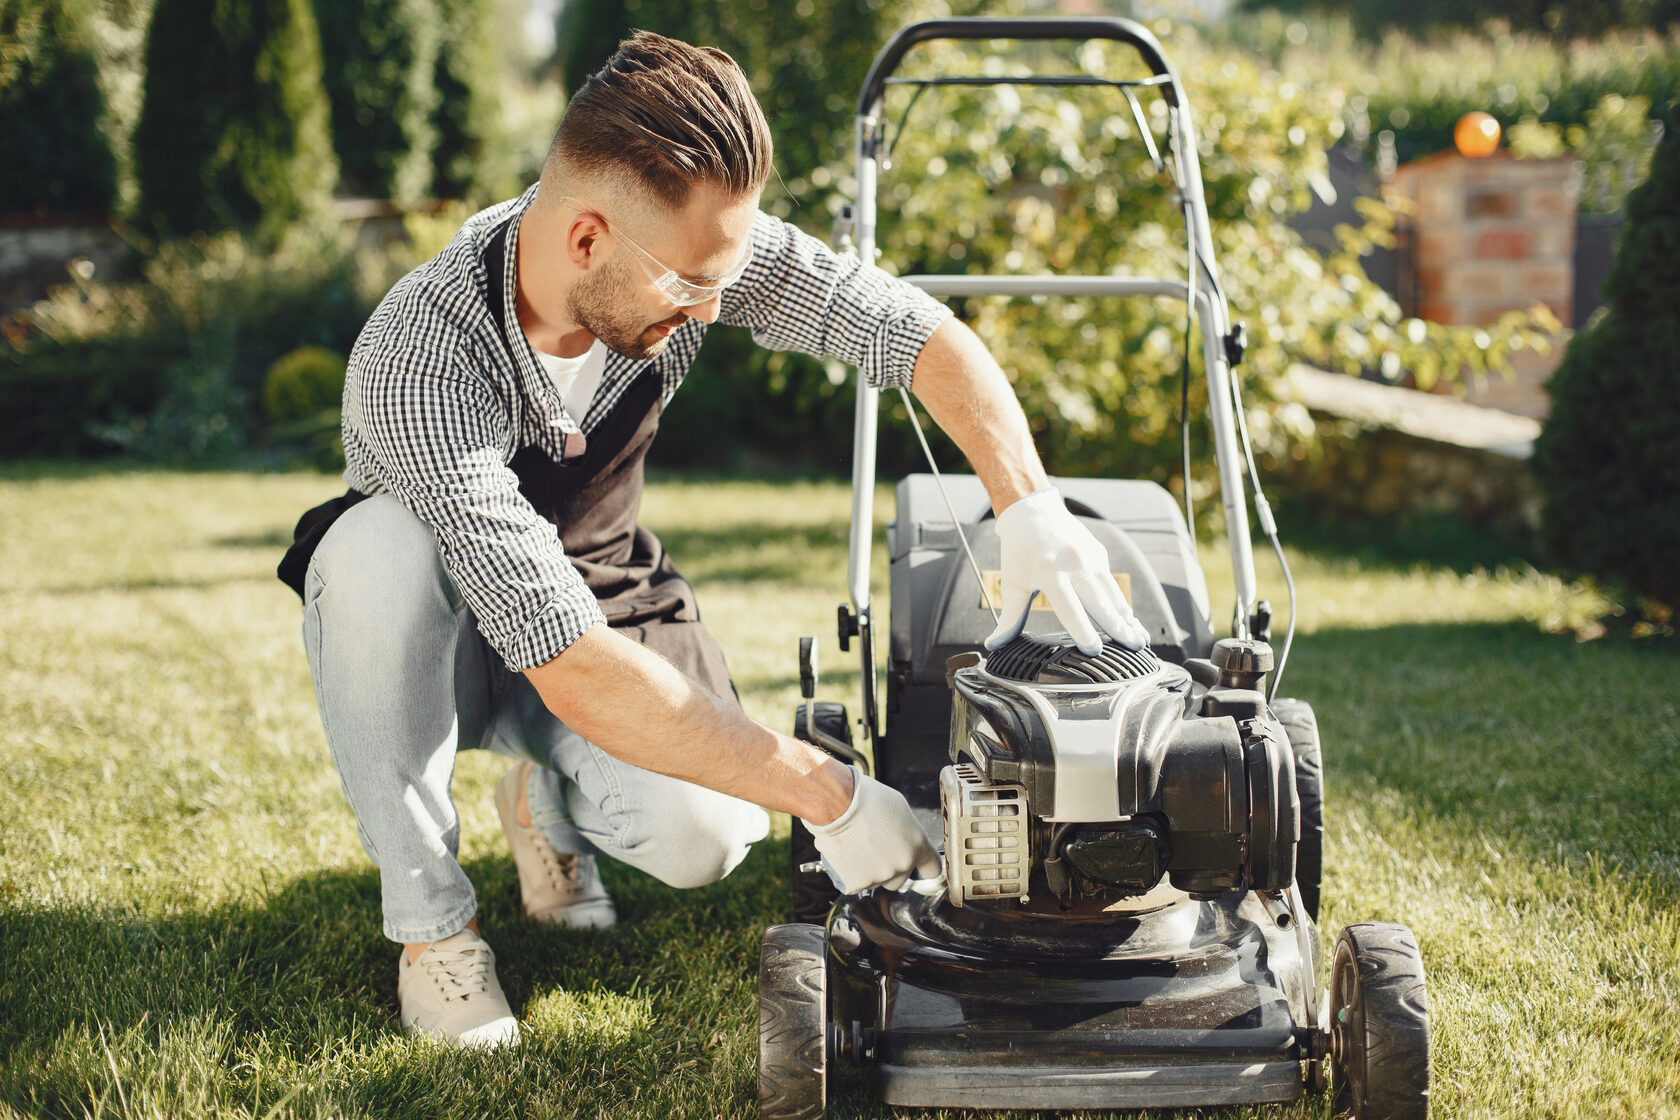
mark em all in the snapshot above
pixel 484 582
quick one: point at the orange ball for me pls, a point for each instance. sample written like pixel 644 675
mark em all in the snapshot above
pixel 1476 135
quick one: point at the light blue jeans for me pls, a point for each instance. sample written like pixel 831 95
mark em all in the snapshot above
pixel 404 679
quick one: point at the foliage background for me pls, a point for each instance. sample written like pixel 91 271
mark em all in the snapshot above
pixel 234 130
pixel 56 154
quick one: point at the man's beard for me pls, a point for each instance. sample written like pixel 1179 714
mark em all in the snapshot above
pixel 597 303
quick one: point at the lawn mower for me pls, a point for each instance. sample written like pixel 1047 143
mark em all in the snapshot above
pixel 1132 840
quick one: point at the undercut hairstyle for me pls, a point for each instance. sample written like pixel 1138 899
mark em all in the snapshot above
pixel 664 115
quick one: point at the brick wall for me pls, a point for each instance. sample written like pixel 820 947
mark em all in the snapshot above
pixel 1489 236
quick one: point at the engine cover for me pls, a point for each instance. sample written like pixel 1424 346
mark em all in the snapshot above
pixel 1114 782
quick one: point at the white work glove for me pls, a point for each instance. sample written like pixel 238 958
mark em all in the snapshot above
pixel 876 842
pixel 1046 549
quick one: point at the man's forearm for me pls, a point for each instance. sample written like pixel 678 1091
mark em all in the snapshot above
pixel 638 708
pixel 968 396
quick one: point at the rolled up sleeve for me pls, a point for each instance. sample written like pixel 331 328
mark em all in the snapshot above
pixel 436 439
pixel 798 294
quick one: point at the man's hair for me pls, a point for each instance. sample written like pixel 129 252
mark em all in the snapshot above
pixel 666 115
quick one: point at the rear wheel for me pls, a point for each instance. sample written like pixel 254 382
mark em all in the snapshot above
pixel 1301 725
pixel 792 1024
pixel 813 891
pixel 1379 1024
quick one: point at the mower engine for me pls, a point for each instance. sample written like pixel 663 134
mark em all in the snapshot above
pixel 1076 781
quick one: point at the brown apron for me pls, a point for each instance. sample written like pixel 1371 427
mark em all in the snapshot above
pixel 593 502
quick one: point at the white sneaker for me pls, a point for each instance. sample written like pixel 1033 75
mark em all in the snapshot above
pixel 556 887
pixel 451 992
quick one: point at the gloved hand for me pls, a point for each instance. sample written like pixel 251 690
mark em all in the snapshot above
pixel 1046 549
pixel 876 841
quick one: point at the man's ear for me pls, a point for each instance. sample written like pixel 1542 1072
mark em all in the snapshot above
pixel 583 240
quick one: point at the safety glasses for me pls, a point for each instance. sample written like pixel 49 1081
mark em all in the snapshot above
pixel 680 292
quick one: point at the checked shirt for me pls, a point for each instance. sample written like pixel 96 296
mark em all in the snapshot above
pixel 439 397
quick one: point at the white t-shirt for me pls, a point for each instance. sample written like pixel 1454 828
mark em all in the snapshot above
pixel 576 378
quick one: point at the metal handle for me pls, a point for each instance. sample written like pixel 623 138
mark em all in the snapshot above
pixel 981 27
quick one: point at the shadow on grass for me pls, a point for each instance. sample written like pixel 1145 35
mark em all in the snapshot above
pixel 1398 544
pixel 304 975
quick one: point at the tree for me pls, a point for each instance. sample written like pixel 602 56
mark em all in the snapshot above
pixel 56 156
pixel 234 131
pixel 471 158
pixel 1605 458
pixel 378 60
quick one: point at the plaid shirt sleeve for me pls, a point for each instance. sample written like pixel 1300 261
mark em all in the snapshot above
pixel 798 294
pixel 436 436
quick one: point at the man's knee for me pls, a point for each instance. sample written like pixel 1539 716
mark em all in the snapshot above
pixel 375 555
pixel 698 840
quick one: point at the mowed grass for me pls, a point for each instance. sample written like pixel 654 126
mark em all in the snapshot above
pixel 189 928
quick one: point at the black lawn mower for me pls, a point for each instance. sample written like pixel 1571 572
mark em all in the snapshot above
pixel 1133 841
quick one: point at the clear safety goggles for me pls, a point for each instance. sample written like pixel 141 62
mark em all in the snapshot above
pixel 680 292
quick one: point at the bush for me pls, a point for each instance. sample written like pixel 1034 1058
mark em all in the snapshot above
pixel 56 156
pixel 1419 88
pixel 301 396
pixel 172 368
pixel 1605 458
pixel 378 60
pixel 303 384
pixel 234 131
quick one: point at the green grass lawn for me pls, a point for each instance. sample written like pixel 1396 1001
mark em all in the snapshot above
pixel 189 928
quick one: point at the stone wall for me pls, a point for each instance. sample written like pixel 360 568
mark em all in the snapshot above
pixel 35 253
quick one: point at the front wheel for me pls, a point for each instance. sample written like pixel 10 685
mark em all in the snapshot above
pixel 792 1024
pixel 1379 1024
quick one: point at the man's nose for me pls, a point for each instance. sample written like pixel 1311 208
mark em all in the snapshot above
pixel 706 311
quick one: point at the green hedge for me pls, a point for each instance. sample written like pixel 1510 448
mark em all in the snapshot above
pixel 1418 87
pixel 55 156
pixel 1606 457
pixel 234 131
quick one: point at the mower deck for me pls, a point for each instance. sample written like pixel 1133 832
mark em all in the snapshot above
pixel 1170 1002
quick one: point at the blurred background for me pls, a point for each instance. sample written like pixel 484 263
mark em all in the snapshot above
pixel 1418 208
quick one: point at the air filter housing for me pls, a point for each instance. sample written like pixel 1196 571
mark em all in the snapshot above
pixel 1054 659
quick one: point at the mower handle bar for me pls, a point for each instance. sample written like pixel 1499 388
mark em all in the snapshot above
pixel 981 27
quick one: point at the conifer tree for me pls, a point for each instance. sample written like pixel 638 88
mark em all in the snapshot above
pixel 234 131
pixel 378 57
pixel 1606 458
pixel 56 157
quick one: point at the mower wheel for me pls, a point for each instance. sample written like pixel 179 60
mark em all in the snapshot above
pixel 813 891
pixel 1301 725
pixel 1379 1024
pixel 792 1024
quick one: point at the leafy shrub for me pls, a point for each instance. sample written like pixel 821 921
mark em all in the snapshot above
pixel 303 384
pixel 1418 88
pixel 1375 18
pixel 1605 458
pixel 1032 180
pixel 234 130
pixel 378 58
pixel 301 396
pixel 1614 146
pixel 56 156
pixel 172 367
